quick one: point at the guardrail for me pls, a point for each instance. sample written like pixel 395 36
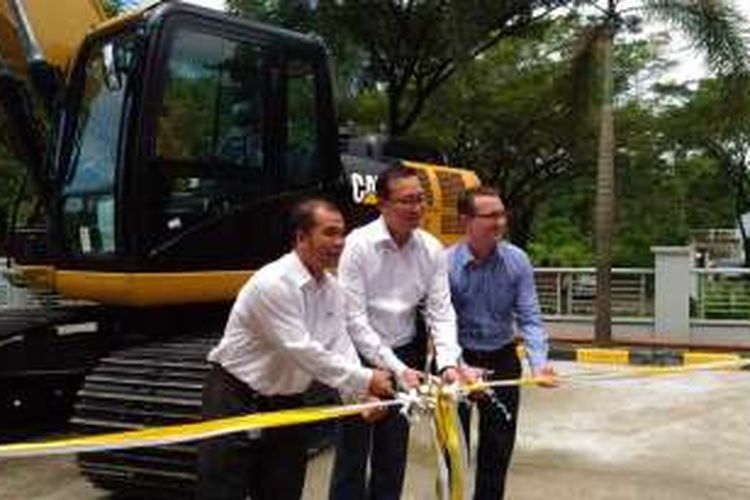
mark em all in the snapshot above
pixel 570 291
pixel 721 293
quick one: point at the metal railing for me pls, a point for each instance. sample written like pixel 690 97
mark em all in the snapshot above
pixel 570 291
pixel 721 293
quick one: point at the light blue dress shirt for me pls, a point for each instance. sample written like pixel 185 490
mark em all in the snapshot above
pixel 490 295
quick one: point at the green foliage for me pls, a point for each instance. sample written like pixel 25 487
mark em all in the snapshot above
pixel 111 7
pixel 705 123
pixel 407 49
pixel 666 187
pixel 559 243
pixel 508 117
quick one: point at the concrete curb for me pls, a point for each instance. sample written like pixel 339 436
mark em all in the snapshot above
pixel 658 356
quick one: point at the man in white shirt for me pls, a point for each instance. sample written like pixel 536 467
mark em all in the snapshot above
pixel 287 328
pixel 390 268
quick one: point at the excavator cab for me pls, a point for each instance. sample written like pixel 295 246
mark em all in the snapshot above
pixel 182 139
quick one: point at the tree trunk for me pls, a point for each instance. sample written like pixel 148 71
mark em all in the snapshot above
pixel 522 218
pixel 604 210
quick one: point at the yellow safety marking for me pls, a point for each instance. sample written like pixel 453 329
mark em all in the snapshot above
pixel 697 358
pixel 609 356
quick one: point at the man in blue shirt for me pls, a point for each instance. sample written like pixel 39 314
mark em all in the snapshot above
pixel 492 287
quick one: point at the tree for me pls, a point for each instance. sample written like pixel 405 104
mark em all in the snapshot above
pixel 507 116
pixel 714 26
pixel 667 185
pixel 710 125
pixel 504 117
pixel 411 48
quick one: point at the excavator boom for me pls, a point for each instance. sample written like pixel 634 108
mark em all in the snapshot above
pixel 31 30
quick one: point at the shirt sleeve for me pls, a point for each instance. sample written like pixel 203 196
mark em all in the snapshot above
pixel 279 317
pixel 440 315
pixel 366 340
pixel 529 316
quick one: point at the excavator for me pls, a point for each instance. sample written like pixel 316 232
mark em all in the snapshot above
pixel 165 147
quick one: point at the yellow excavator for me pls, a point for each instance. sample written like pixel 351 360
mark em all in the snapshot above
pixel 176 139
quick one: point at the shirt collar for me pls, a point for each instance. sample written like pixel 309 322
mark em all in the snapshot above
pixel 382 237
pixel 464 256
pixel 299 273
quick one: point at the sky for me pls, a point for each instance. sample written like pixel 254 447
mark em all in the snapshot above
pixel 690 65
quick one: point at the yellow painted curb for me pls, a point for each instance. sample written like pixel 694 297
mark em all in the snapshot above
pixel 609 356
pixel 696 358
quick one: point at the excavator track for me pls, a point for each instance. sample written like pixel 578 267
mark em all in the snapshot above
pixel 146 386
pixel 150 385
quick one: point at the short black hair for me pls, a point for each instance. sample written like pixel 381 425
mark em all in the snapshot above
pixel 396 170
pixel 465 203
pixel 302 216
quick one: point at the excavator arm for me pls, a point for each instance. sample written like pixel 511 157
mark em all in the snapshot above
pixel 38 41
pixel 40 30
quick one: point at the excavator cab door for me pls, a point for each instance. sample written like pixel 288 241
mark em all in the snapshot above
pixel 188 139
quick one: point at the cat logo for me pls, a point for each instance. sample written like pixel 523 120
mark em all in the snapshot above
pixel 363 188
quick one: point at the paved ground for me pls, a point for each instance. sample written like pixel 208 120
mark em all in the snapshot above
pixel 678 437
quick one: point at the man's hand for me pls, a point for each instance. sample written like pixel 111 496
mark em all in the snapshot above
pixel 380 384
pixel 411 378
pixel 466 375
pixel 450 375
pixel 470 375
pixel 373 414
pixel 546 376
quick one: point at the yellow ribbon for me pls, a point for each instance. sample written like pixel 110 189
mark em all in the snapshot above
pixel 450 445
pixel 173 434
pixel 446 420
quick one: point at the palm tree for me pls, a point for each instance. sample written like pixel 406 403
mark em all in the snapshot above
pixel 715 28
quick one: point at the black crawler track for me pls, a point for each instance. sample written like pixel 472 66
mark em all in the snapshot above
pixel 156 384
pixel 151 385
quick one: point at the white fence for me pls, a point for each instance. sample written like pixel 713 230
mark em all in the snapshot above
pixel 569 291
pixel 720 293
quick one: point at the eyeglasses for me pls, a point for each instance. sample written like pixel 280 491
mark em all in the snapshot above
pixel 410 200
pixel 492 215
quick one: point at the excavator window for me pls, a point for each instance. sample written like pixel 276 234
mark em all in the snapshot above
pixel 212 108
pixel 237 123
pixel 92 155
pixel 210 141
pixel 301 158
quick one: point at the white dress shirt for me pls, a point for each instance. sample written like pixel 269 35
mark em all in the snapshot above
pixel 386 283
pixel 286 329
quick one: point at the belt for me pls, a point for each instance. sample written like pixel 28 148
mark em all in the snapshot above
pixel 265 402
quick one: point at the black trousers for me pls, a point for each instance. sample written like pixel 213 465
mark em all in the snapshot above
pixel 497 421
pixel 384 443
pixel 267 465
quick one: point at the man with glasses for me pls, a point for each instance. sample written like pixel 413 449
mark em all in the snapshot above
pixel 390 268
pixel 492 287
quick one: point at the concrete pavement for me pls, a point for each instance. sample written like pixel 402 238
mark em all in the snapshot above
pixel 680 436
